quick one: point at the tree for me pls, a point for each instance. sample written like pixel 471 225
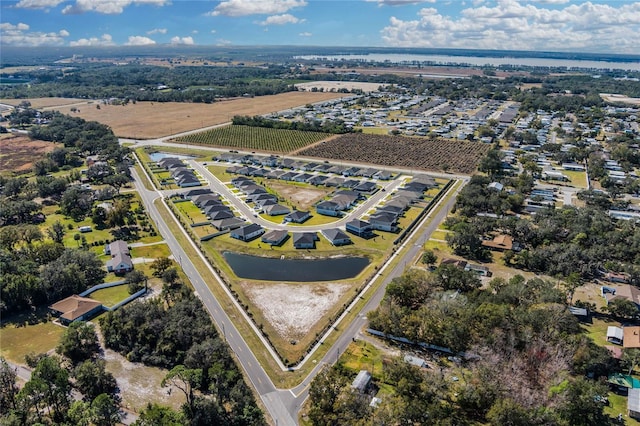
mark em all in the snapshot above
pixel 185 379
pixel 622 308
pixel 429 258
pixel 50 384
pixel 631 358
pixel 79 342
pixel 491 164
pixel 160 265
pixel 135 279
pixel 56 232
pixel 76 203
pixel 105 411
pixel 116 181
pixel 91 379
pixel 157 415
pixel 324 392
pixel 73 272
pixel 8 388
pixel 582 405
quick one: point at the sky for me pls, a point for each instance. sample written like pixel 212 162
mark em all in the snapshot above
pixel 603 26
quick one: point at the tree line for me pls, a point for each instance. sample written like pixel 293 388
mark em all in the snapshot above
pixel 335 127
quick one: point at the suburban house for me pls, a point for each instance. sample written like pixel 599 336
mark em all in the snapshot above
pixel 328 208
pixel 414 360
pixel 120 262
pixel 247 232
pixel 621 291
pixel 365 187
pixel 500 242
pixel 382 175
pixel 228 223
pixel 304 240
pixel 220 214
pixel 199 200
pixel 276 209
pixel 383 221
pixel 75 308
pixel 478 269
pixel 336 237
pixel 317 179
pixel 362 381
pixel 297 216
pixel 275 237
pixel 617 277
pixel 615 335
pixel 360 228
pixel 189 195
pixel 631 337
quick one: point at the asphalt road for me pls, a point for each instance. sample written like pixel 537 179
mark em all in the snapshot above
pixel 282 404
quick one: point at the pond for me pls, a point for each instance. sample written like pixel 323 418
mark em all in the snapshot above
pixel 300 270
pixel 157 156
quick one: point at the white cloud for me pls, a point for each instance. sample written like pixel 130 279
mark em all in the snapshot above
pixel 399 2
pixel 255 7
pixel 109 7
pixel 182 40
pixel 281 20
pixel 157 31
pixel 38 4
pixel 223 42
pixel 213 31
pixel 511 25
pixel 139 41
pixel 104 40
pixel 305 34
pixel 19 35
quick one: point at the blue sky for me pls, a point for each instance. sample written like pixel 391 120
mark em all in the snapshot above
pixel 610 26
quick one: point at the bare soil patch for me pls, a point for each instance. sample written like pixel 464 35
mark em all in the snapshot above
pixel 18 152
pixel 293 309
pixel 622 99
pixel 148 120
pixel 303 198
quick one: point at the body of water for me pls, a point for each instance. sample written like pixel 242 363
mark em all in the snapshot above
pixel 300 270
pixel 400 58
pixel 157 156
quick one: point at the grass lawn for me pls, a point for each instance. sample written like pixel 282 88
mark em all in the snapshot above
pixel 190 212
pixel 112 295
pixel 578 179
pixel 152 252
pixel 617 405
pixel 220 173
pixel 316 219
pixel 19 337
pixel 597 330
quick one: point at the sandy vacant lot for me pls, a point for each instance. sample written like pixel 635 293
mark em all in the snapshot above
pixel 303 198
pixel 149 120
pixel 293 309
pixel 18 153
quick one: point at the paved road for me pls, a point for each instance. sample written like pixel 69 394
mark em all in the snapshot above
pixel 282 404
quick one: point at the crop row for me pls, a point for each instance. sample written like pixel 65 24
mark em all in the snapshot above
pixel 398 151
pixel 255 138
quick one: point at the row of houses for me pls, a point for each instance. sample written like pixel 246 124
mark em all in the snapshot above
pixel 212 205
pixel 313 178
pixel 277 237
pixel 386 216
pixel 256 163
pixel 183 176
pixel 257 194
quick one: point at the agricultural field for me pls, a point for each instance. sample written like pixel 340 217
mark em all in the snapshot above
pixel 398 151
pixel 255 138
pixel 19 152
pixel 148 120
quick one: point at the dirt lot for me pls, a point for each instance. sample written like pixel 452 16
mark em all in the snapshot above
pixel 149 120
pixel 293 309
pixel 18 153
pixel 302 198
pixel 613 98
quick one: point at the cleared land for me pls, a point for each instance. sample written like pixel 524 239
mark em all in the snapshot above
pixel 254 138
pixel 302 196
pixel 18 153
pixel 44 102
pixel 615 98
pixel 398 151
pixel 149 120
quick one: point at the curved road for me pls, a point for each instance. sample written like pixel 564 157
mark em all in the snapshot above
pixel 283 404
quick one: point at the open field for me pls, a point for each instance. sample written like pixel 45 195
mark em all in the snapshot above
pixel 302 196
pixel 148 120
pixel 398 151
pixel 44 102
pixel 112 295
pixel 19 152
pixel 23 334
pixel 254 138
pixel 615 98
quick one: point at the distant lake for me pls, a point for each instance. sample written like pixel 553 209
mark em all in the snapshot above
pixel 400 58
pixel 300 270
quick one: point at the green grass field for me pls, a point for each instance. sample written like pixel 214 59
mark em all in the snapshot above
pixel 21 335
pixel 112 295
pixel 254 138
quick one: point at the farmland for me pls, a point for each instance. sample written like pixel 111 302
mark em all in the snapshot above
pixel 399 151
pixel 255 138
pixel 18 153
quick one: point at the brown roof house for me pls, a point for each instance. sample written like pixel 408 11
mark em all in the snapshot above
pixel 631 337
pixel 75 308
